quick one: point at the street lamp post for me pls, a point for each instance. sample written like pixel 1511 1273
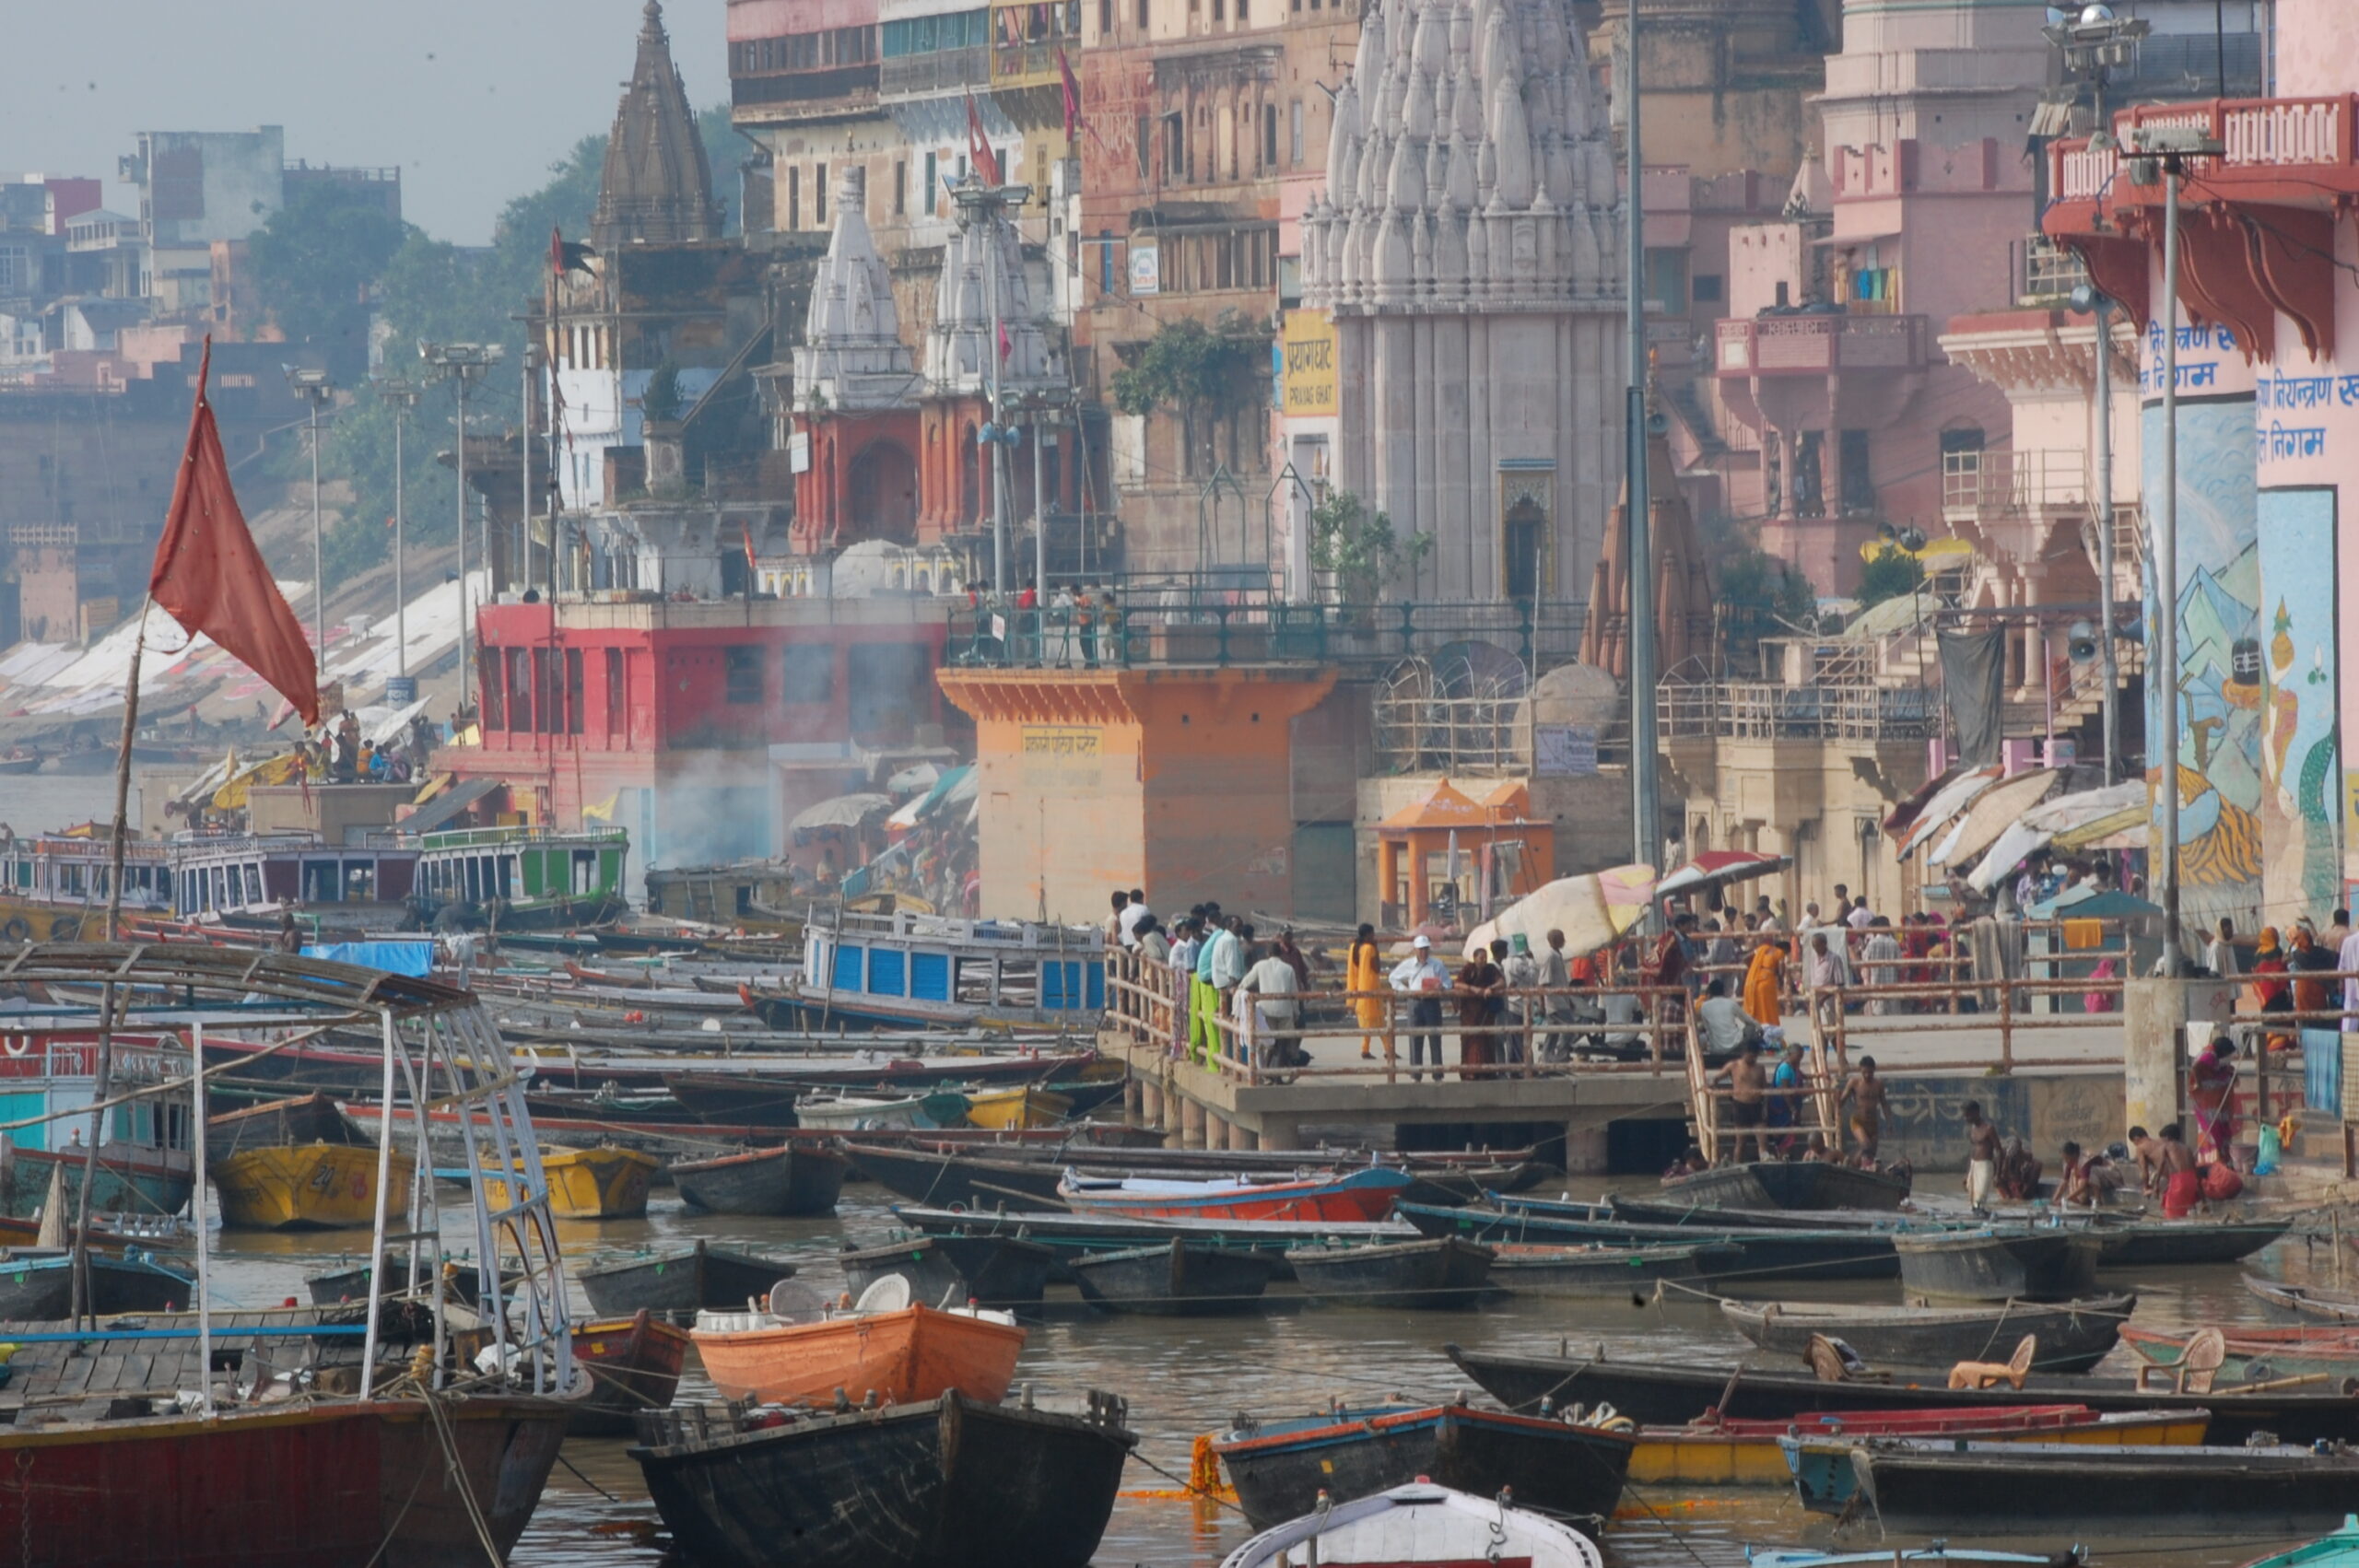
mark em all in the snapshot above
pixel 2087 299
pixel 402 396
pixel 1646 804
pixel 463 364
pixel 314 388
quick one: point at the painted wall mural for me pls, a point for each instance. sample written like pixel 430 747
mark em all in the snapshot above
pixel 2301 767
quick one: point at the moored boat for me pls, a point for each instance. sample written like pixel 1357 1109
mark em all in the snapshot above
pixel 2339 1549
pixel 1716 1452
pixel 2249 1491
pixel 957 1481
pixel 1522 1269
pixel 2259 1356
pixel 1002 1110
pixel 309 1187
pixel 1935 1554
pixel 1006 1272
pixel 634 1364
pixel 794 1178
pixel 1747 1253
pixel 899 1355
pixel 859 1113
pixel 1818 1459
pixel 2166 1243
pixel 1998 1263
pixel 1174 1279
pixel 1419 1525
pixel 301 1118
pixel 2073 1336
pixel 1074 1236
pixel 1281 1469
pixel 591 1183
pixel 954 1181
pixel 37 1286
pixel 1788 1184
pixel 686 1281
pixel 1367 1194
pixel 2304 1299
pixel 1424 1275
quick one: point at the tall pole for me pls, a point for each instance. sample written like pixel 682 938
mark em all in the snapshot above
pixel 400 598
pixel 319 558
pixel 1646 806
pixel 1040 511
pixel 2105 651
pixel 2162 674
pixel 522 575
pixel 466 612
pixel 988 212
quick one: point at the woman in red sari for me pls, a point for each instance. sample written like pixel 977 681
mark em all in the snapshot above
pixel 2210 1090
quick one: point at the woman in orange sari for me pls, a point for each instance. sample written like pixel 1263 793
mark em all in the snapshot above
pixel 1363 972
pixel 1765 983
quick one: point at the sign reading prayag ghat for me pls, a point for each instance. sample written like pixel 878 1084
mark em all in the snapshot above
pixel 1309 349
pixel 1061 740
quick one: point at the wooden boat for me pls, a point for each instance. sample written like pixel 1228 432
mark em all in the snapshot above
pixel 2163 1244
pixel 1522 1268
pixel 1934 1554
pixel 1637 1210
pixel 634 1364
pixel 1664 1394
pixel 591 1183
pixel 1423 1275
pixel 1998 1263
pixel 724 1094
pixel 1788 1184
pixel 858 1113
pixel 37 1286
pixel 1927 1488
pixel 461 1282
pixel 1074 1236
pixel 2339 1549
pixel 1818 1459
pixel 1749 1254
pixel 1747 1452
pixel 309 1188
pixel 2304 1299
pixel 794 1178
pixel 947 1180
pixel 1366 1194
pixel 2073 1336
pixel 2259 1356
pixel 917 971
pixel 698 1277
pixel 1283 1468
pixel 1420 1526
pixel 1174 1279
pixel 1001 1271
pixel 1001 1109
pixel 298 1119
pixel 914 1352
pixel 954 1482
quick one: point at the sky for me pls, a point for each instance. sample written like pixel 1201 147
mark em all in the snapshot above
pixel 473 98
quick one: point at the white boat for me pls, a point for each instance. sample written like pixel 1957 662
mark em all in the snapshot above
pixel 1419 1524
pixel 854 1113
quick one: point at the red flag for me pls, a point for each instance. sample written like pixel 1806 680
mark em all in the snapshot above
pixel 979 146
pixel 1072 90
pixel 1007 345
pixel 209 577
pixel 557 252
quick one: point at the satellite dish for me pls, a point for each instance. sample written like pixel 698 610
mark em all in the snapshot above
pixel 888 1292
pixel 793 1301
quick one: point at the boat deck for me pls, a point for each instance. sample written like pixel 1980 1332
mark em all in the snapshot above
pixel 154 1355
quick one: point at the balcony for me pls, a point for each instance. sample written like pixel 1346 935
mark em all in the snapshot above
pixel 1027 65
pixel 1819 345
pixel 809 93
pixel 935 71
pixel 2046 272
pixel 1990 486
pixel 2297 151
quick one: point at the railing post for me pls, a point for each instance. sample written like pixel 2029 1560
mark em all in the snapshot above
pixel 2006 1025
pixel 1391 1031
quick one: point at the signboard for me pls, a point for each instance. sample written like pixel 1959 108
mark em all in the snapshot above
pixel 1309 365
pixel 1146 269
pixel 1563 751
pixel 1061 740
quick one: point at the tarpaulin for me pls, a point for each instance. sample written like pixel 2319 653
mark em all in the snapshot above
pixel 412 958
pixel 1973 669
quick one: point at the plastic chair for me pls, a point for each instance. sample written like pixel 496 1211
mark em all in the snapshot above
pixel 2198 1367
pixel 1991 1373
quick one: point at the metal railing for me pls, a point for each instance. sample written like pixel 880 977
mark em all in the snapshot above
pixel 2046 272
pixel 2005 483
pixel 1765 710
pixel 936 70
pixel 1257 632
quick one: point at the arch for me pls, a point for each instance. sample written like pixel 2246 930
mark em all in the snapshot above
pixel 884 494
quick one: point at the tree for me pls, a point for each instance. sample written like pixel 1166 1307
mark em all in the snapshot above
pixel 1761 596
pixel 315 264
pixel 1889 574
pixel 724 150
pixel 1358 548
pixel 1194 370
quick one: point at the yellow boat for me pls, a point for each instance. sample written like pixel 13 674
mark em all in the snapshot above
pixel 1003 1110
pixel 590 1184
pixel 1745 1453
pixel 304 1187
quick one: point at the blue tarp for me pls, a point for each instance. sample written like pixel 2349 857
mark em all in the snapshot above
pixel 2322 1071
pixel 412 958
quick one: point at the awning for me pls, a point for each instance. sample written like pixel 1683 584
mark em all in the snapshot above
pixel 1594 911
pixel 959 784
pixel 844 810
pixel 2039 826
pixel 1718 868
pixel 1995 810
pixel 914 779
pixel 448 805
pixel 1948 802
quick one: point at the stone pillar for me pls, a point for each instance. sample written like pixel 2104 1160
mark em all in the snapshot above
pixel 1243 1137
pixel 1215 1130
pixel 1150 1102
pixel 1134 1096
pixel 1584 1148
pixel 2153 1050
pixel 1192 1123
pixel 1280 1132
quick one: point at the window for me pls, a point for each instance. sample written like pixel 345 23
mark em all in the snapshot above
pixel 1667 280
pixel 1142 14
pixel 490 682
pixel 615 715
pixel 743 678
pixel 573 691
pixel 1294 118
pixel 1705 288
pixel 520 689
pixel 1104 18
pixel 1175 145
pixel 1106 260
pixel 901 187
pixel 932 185
pixel 1269 135
pixel 1220 10
pixel 1143 136
pixel 808 673
pixel 793 195
pixel 819 195
pixel 1858 491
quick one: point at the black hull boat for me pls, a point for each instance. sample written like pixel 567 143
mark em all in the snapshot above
pixel 740 1099
pixel 461 1282
pixel 794 1178
pixel 1281 1468
pixel 703 1276
pixel 1627 1209
pixel 1002 1272
pixel 1752 1254
pixel 2073 1336
pixel 2303 1299
pixel 2000 1263
pixel 37 1286
pixel 1594 1271
pixel 1403 1275
pixel 950 1483
pixel 1660 1394
pixel 1176 1279
pixel 958 1181
pixel 1074 1236
pixel 633 1366
pixel 1784 1183
pixel 2166 1243
pixel 1997 1488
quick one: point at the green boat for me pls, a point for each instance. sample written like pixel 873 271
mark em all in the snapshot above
pixel 2339 1549
pixel 541 878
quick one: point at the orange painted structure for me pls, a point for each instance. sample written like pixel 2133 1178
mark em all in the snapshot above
pixel 1498 842
pixel 1177 781
pixel 914 1353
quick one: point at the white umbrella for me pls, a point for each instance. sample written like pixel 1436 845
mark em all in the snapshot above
pixel 1593 910
pixel 2040 826
pixel 1947 802
pixel 1994 810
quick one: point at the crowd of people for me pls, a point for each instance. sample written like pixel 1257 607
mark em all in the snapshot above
pixel 1075 626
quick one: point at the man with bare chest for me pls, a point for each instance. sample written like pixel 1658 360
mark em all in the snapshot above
pixel 1865 1094
pixel 1748 1099
pixel 1981 1157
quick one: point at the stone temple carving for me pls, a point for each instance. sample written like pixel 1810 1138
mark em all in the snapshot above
pixel 851 356
pixel 1468 246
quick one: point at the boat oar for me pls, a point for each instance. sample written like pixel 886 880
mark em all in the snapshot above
pixel 2274 1384
pixel 1031 1197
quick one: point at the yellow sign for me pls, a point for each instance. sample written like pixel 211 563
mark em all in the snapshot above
pixel 1309 349
pixel 1061 740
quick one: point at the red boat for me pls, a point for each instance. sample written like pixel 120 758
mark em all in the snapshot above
pixel 634 1364
pixel 1363 1195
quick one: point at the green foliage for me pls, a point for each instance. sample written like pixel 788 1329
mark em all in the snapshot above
pixel 660 398
pixel 1888 574
pixel 723 150
pixel 315 262
pixel 1358 547
pixel 1185 366
pixel 1762 596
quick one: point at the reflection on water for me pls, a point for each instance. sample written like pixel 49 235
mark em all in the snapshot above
pixel 1185 1377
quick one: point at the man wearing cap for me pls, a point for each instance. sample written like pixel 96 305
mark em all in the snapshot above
pixel 1421 975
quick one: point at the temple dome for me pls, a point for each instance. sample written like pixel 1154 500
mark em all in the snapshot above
pixel 655 187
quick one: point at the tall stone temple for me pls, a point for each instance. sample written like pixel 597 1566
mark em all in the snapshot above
pixel 655 187
pixel 1468 246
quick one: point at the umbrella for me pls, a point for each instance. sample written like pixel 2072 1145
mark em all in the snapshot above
pixel 1994 810
pixel 1718 868
pixel 843 811
pixel 1593 910
pixel 1947 802
pixel 912 780
pixel 2037 827
pixel 956 785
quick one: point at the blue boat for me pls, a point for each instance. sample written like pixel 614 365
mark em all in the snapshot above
pixel 2339 1549
pixel 908 971
pixel 1935 1552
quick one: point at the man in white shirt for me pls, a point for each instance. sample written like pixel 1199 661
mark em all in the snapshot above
pixel 1133 913
pixel 1722 1022
pixel 1421 975
pixel 1271 983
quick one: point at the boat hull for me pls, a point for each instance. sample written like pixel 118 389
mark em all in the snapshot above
pixel 791 1179
pixel 2004 1265
pixel 951 1181
pixel 1524 1270
pixel 1825 1483
pixel 41 1289
pixel 2165 1243
pixel 1404 1276
pixel 308 1486
pixel 634 1364
pixel 953 1483
pixel 590 1184
pixel 682 1283
pixel 309 1188
pixel 1002 1272
pixel 1553 1467
pixel 1003 1110
pixel 1364 1195
pixel 2259 1356
pixel 917 1353
pixel 1751 1254
pixel 1740 1453
pixel 146 1183
pixel 2184 1492
pixel 1178 1279
pixel 2073 1336
pixel 1782 1183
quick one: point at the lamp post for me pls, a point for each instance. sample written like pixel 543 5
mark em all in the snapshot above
pixel 463 364
pixel 2086 299
pixel 314 388
pixel 1646 805
pixel 402 396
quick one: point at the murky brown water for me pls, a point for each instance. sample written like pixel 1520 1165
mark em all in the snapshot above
pixel 1184 1377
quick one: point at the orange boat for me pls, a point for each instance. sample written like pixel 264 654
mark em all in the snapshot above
pixel 913 1354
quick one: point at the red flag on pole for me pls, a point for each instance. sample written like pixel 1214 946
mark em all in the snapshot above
pixel 1072 90
pixel 979 146
pixel 557 252
pixel 209 577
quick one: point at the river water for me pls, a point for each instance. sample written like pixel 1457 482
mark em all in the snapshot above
pixel 1186 1376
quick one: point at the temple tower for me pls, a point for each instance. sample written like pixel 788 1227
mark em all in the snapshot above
pixel 655 188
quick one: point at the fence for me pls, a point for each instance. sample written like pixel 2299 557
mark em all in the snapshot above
pixel 1190 629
